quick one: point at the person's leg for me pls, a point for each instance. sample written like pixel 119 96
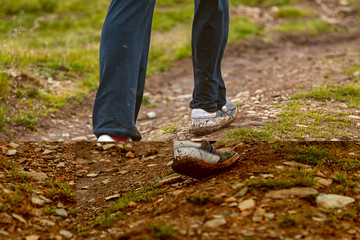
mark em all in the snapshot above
pixel 124 50
pixel 209 39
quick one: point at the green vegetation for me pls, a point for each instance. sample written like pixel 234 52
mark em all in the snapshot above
pixel 312 27
pixel 145 194
pixel 279 183
pixel 200 199
pixel 59 189
pixel 287 220
pixel 288 12
pixel 349 93
pixel 244 134
pixel 163 231
pixel 170 128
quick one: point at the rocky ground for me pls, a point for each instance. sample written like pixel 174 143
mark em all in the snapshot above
pixel 277 190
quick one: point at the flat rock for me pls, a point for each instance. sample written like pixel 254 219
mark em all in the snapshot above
pixel 61 212
pixel 108 146
pixel 296 164
pixel 18 217
pixel 333 201
pixel 32 237
pixel 214 223
pixel 13 145
pixel 66 234
pixel 292 192
pixel 92 175
pixel 324 181
pixel 241 193
pixel 37 176
pixel 247 204
pixel 46 152
pixel 61 165
pixel 171 180
pixel 115 196
pixel 11 152
pixel 37 201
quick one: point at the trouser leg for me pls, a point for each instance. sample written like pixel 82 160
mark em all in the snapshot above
pixel 124 47
pixel 209 39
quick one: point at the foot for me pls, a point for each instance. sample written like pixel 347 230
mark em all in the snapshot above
pixel 107 138
pixel 204 122
pixel 200 159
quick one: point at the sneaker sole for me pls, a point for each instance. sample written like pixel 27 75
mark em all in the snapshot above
pixel 199 169
pixel 198 131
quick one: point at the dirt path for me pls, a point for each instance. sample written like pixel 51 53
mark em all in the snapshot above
pixel 258 77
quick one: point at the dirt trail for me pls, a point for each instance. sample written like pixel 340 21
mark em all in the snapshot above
pixel 258 76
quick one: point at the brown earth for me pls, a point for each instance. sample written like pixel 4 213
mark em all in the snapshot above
pixel 258 76
pixel 161 202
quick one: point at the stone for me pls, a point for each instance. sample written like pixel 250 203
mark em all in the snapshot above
pixel 292 192
pixel 37 176
pixel 241 193
pixel 214 223
pixel 247 204
pixel 92 175
pixel 18 217
pixel 151 151
pixel 37 201
pixel 66 234
pixel 151 115
pixel 4 233
pixel 237 185
pixel 11 152
pixel 47 222
pixel 171 180
pixel 13 145
pixel 330 201
pixel 268 176
pixel 108 146
pixel 130 155
pixel 269 216
pixel 106 181
pixel 112 197
pixel 247 233
pixel 296 164
pixel 324 181
pixel 230 200
pixel 32 237
pixel 61 165
pixel 46 152
pixel 61 212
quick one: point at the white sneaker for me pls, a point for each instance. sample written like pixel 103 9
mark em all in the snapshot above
pixel 108 138
pixel 204 122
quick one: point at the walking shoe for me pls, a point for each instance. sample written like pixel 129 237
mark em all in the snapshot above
pixel 204 122
pixel 107 138
pixel 200 159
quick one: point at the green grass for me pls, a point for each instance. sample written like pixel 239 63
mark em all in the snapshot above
pixel 163 231
pixel 170 128
pixel 59 190
pixel 244 134
pixel 287 220
pixel 349 93
pixel 281 183
pixel 312 27
pixel 145 194
pixel 288 12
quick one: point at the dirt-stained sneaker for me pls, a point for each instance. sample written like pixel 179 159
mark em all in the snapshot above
pixel 204 122
pixel 108 138
pixel 200 159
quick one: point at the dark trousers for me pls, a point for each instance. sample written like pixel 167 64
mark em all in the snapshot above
pixel 124 49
